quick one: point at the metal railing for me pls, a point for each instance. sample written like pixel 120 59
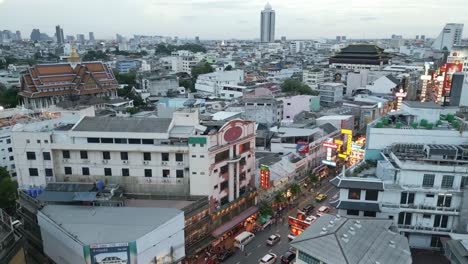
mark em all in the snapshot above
pixel 424 228
pixel 422 207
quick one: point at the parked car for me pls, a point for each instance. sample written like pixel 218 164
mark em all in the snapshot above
pixel 308 209
pixel 268 259
pixel 310 219
pixel 273 239
pixel 291 237
pixel 323 210
pixel 320 197
pixel 225 255
pixel 288 257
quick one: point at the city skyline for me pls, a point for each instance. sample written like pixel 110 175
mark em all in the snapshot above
pixel 187 19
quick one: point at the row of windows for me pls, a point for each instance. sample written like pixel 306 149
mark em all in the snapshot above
pixel 366 213
pixel 8 141
pixel 179 157
pixel 443 200
pixel 107 172
pixel 38 141
pixel 355 194
pixel 447 181
pixel 404 218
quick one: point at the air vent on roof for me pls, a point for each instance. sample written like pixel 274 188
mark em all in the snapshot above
pixel 324 231
pixel 357 223
pixel 345 238
pixel 391 243
pixel 352 230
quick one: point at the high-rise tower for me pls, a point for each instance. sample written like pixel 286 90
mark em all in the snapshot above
pixel 267 24
pixel 451 35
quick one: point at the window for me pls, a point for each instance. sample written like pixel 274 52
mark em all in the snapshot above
pixel 46 141
pixel 125 172
pixel 215 187
pixel 107 140
pixel 148 173
pixel 369 214
pixel 166 173
pixel 31 155
pixel 179 157
pixel 427 216
pixel 179 173
pixel 33 172
pixel 107 172
pixel 244 147
pixel 106 155
pixel 428 180
pixel 28 141
pixel 46 155
pixel 223 169
pixel 372 195
pixel 430 195
pixel 224 185
pixel 66 154
pixel 85 171
pixel 134 141
pixel 49 173
pixel 352 212
pixel 354 194
pixel 404 218
pixel 10 149
pixel 165 156
pixel 444 200
pixel 84 154
pixel 447 181
pixel 307 258
pixel 93 140
pixel 38 141
pixel 194 156
pixel 222 156
pixel 464 181
pixel 12 158
pixel 68 170
pixel 146 156
pixel 8 141
pixel 440 221
pixel 120 140
pixel 148 141
pixel 407 198
pixel 124 155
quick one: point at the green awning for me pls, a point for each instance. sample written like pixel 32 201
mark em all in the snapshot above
pixel 197 140
pixel 262 220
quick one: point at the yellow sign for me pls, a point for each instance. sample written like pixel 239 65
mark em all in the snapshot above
pixel 344 156
pixel 346 131
pixel 339 142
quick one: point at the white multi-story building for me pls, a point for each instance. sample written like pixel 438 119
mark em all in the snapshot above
pixel 450 35
pixel 183 61
pixel 6 150
pixel 178 156
pixel 422 187
pixel 223 84
pixel 330 93
pixel 314 77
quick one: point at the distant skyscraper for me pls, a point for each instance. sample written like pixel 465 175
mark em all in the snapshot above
pixel 18 35
pixel 451 35
pixel 70 39
pixel 283 38
pixel 59 34
pixel 91 37
pixel 119 38
pixel 80 38
pixel 423 37
pixel 36 35
pixel 197 39
pixel 267 24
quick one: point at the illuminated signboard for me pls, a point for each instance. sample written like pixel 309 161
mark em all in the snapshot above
pixel 400 95
pixel 264 177
pixel 330 145
pixel 348 138
pixel 298 224
pixel 302 147
pixel 329 163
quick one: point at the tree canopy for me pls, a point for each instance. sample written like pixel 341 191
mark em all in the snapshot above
pixel 167 49
pixel 8 97
pixel 8 189
pixel 201 68
pixel 228 68
pixel 296 87
pixel 93 55
pixel 125 78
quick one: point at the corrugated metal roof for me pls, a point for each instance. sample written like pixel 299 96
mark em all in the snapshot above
pixel 117 124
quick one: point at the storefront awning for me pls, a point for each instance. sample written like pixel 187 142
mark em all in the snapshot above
pixel 234 221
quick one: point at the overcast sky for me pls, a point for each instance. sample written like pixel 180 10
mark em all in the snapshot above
pixel 224 19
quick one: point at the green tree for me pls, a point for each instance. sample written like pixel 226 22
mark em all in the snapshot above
pixel 8 190
pixel 125 78
pixel 313 178
pixel 228 68
pixel 8 97
pixel 162 49
pixel 293 86
pixel 187 84
pixel 279 197
pixel 93 55
pixel 132 110
pixel 295 189
pixel 265 209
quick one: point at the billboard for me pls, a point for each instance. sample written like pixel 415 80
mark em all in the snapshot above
pixel 302 147
pixel 450 69
pixel 264 177
pixel 115 253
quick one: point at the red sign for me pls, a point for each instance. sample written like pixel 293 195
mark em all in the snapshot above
pixel 264 178
pixel 296 223
pixel 451 68
pixel 302 147
pixel 233 133
pixel 329 145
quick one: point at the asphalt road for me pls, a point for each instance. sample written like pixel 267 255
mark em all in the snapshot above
pixel 258 248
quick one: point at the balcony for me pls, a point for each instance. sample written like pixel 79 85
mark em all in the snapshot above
pixel 423 209
pixel 425 230
pixel 234 159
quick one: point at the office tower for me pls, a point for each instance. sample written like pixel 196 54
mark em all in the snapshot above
pixel 119 38
pixel 91 37
pixel 450 35
pixel 18 35
pixel 283 38
pixel 70 39
pixel 423 37
pixel 36 35
pixel 267 24
pixel 80 38
pixel 197 39
pixel 59 34
pixel 417 37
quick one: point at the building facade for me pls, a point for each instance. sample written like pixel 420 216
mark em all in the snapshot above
pixel 360 56
pixel 267 24
pixel 330 93
pixel 450 35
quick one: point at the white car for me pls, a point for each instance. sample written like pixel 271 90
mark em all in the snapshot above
pixel 268 259
pixel 323 210
pixel 310 219
pixel 291 237
pixel 273 239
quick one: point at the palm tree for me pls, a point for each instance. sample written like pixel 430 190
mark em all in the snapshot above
pixel 295 189
pixel 279 197
pixel 313 179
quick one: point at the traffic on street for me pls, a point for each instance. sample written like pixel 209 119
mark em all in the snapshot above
pixel 260 246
